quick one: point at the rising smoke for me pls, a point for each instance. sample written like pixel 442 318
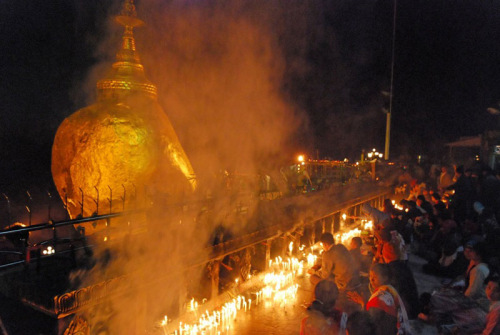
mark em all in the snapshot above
pixel 219 71
pixel 224 81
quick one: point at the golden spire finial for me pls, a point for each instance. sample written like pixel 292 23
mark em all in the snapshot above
pixel 128 15
pixel 128 73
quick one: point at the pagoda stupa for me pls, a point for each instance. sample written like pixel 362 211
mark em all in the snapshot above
pixel 121 146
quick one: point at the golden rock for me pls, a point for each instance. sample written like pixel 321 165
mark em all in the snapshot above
pixel 108 154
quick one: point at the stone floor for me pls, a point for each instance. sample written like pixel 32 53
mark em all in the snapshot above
pixel 272 319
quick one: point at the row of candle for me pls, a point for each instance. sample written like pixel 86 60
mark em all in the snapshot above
pixel 279 289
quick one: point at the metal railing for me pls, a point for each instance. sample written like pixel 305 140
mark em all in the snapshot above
pixel 71 302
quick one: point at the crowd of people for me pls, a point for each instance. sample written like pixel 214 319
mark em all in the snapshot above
pixel 449 219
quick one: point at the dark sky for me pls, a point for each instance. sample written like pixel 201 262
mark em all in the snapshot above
pixel 337 60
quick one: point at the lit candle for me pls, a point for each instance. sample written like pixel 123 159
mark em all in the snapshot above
pixel 164 324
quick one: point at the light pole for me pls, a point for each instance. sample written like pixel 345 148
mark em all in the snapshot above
pixel 388 121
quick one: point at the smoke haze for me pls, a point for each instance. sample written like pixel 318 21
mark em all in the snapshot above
pixel 220 72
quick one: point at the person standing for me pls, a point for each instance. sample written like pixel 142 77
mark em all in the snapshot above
pixel 461 201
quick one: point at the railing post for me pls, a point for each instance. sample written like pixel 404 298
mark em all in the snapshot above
pixel 336 222
pixel 96 201
pixel 351 214
pixel 124 197
pixel 284 246
pixel 9 217
pixel 110 200
pixel 313 234
pixel 81 202
pixel 49 205
pixel 28 207
pixel 268 252
pixel 182 293
pixel 214 268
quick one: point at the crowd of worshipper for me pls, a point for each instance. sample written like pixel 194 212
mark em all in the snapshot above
pixel 449 220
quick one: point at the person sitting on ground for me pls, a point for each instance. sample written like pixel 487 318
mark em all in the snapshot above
pixel 390 246
pixel 385 306
pixel 362 261
pixel 486 218
pixel 477 272
pixel 388 207
pixel 493 317
pixel 452 262
pixel 463 303
pixel 424 204
pixel 436 199
pixel 337 265
pixel 444 229
pixel 413 210
pixel 391 251
pixel 404 282
pixel 379 218
pixel 323 318
pixel 360 323
pixel 473 283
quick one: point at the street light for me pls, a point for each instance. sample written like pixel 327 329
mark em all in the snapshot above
pixel 389 111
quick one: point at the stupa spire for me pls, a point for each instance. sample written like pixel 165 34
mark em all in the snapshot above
pixel 127 73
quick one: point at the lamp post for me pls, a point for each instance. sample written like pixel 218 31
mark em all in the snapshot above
pixel 388 121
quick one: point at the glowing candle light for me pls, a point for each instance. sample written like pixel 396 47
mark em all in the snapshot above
pixel 164 324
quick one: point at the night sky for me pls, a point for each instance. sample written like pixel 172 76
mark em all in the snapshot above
pixel 337 60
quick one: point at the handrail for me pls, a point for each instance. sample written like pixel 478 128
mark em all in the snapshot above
pixel 207 255
pixel 226 248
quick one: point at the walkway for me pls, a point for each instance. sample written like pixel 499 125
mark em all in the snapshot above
pixel 270 318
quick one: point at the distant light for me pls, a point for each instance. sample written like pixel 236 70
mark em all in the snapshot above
pixel 300 158
pixel 493 111
pixel 49 251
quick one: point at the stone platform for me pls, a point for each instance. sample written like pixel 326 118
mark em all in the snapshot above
pixel 269 319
